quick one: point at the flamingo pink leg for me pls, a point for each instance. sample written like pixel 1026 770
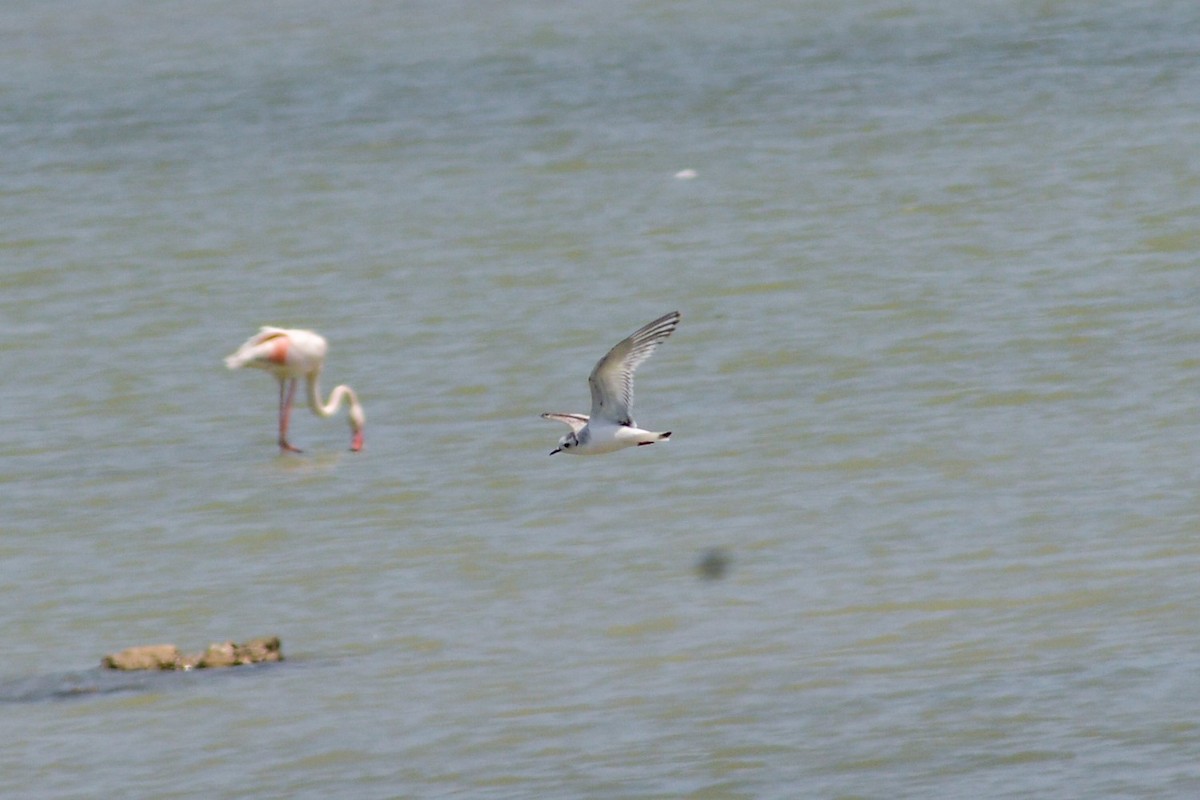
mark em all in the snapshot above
pixel 285 414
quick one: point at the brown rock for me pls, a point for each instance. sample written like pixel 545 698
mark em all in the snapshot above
pixel 151 656
pixel 262 649
pixel 221 654
pixel 189 661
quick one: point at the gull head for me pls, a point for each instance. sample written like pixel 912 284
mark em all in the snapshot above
pixel 566 443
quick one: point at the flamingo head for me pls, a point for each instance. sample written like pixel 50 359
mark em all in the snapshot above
pixel 358 420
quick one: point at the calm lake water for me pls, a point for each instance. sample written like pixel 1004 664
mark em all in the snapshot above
pixel 933 398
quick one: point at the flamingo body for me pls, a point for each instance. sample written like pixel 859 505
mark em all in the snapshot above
pixel 290 354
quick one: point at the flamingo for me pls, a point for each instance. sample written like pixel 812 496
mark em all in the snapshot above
pixel 289 354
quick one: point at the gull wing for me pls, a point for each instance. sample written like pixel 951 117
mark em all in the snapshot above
pixel 611 381
pixel 576 421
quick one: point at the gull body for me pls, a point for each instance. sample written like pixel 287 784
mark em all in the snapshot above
pixel 610 426
pixel 290 354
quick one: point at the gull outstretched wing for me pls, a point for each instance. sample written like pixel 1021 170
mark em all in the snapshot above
pixel 611 381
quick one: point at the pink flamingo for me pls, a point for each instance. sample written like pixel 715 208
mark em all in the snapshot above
pixel 290 354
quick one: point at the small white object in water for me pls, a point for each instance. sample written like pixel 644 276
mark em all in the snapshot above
pixel 685 174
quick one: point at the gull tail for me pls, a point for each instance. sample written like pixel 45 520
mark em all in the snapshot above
pixel 658 437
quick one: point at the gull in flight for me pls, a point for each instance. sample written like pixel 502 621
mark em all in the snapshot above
pixel 610 426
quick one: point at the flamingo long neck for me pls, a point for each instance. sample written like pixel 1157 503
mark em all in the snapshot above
pixel 339 393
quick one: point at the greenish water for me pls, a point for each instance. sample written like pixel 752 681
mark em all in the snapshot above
pixel 932 398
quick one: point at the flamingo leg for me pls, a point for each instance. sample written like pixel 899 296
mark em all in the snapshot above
pixel 286 397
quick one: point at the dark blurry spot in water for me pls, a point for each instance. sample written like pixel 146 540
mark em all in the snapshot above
pixel 713 564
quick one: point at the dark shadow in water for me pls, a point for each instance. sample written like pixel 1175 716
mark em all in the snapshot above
pixel 100 681
pixel 713 564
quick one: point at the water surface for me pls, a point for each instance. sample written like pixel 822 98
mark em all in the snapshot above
pixel 932 397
